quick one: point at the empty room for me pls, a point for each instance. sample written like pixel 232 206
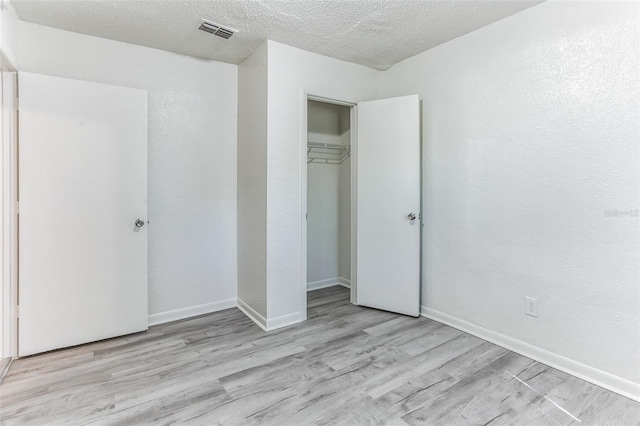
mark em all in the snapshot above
pixel 320 212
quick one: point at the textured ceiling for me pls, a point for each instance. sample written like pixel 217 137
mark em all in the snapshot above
pixel 374 33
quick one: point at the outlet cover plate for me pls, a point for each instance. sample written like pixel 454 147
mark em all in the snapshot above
pixel 531 306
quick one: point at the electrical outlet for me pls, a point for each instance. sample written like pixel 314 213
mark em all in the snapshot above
pixel 531 306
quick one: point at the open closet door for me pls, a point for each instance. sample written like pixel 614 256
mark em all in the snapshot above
pixel 83 212
pixel 388 204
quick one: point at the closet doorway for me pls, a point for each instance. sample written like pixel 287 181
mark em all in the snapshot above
pixel 361 201
pixel 329 195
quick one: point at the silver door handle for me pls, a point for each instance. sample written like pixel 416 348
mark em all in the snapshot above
pixel 139 223
pixel 411 216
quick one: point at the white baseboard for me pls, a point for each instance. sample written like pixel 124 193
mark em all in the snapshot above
pixel 283 321
pixel 344 282
pixel 317 285
pixel 593 375
pixel 192 311
pixel 271 323
pixel 252 314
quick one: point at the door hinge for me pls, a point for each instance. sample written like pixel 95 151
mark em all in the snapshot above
pixel 17 311
pixel 17 207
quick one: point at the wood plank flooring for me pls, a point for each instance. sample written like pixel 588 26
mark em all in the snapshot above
pixel 346 365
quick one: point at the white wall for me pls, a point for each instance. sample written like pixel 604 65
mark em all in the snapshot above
pixel 252 181
pixel 328 123
pixel 323 256
pixel 9 33
pixel 192 156
pixel 289 70
pixel 344 220
pixel 531 130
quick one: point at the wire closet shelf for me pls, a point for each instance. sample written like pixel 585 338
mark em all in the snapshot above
pixel 327 153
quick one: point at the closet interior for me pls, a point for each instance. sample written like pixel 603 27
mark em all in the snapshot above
pixel 328 195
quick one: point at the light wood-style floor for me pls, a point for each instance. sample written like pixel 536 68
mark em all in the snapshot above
pixel 346 365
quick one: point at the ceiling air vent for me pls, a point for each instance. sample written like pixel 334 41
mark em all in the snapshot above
pixel 216 29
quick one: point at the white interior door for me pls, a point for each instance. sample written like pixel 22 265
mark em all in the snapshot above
pixel 82 187
pixel 388 194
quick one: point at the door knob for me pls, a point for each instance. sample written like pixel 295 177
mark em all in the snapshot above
pixel 139 223
pixel 411 216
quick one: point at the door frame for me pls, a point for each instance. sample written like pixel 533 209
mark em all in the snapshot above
pixel 9 229
pixel 353 106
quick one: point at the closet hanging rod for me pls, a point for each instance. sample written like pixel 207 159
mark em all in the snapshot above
pixel 327 145
pixel 327 153
pixel 326 160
